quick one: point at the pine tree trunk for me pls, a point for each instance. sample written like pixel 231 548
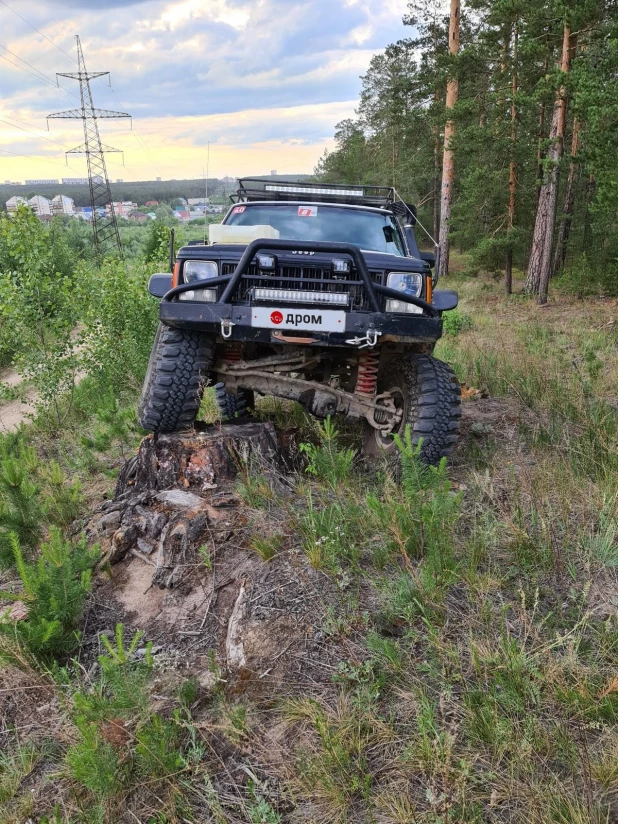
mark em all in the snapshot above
pixel 508 263
pixel 569 202
pixel 452 89
pixel 539 265
pixel 436 181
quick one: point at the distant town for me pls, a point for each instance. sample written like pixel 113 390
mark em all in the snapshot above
pixel 143 201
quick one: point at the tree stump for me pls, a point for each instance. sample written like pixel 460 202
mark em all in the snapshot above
pixel 201 461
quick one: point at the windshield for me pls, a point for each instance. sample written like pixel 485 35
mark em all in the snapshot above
pixel 372 231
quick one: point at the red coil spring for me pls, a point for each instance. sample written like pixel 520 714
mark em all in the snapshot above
pixel 367 381
pixel 233 352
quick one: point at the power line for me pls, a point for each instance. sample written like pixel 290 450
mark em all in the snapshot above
pixel 40 159
pixel 36 30
pixel 41 137
pixel 43 77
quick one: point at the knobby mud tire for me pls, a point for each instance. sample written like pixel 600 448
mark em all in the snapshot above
pixel 233 406
pixel 177 374
pixel 429 393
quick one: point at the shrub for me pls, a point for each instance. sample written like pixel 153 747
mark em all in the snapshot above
pixel 120 321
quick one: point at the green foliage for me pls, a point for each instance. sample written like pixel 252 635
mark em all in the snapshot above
pixel 416 518
pixel 456 322
pixel 157 248
pixel 38 308
pixel 119 323
pixel 328 461
pixel 32 495
pixel 54 590
pixel 329 536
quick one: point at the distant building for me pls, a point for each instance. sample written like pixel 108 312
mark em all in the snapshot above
pixel 14 203
pixel 83 212
pixel 200 202
pixel 62 205
pixel 80 181
pixel 273 173
pixel 159 179
pixel 151 203
pixel 40 205
pixel 41 183
pixel 182 215
pixel 120 180
pixel 137 217
pixel 121 208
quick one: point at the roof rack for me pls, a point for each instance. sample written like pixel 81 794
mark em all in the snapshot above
pixel 251 189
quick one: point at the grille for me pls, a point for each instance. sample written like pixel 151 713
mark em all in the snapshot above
pixel 311 278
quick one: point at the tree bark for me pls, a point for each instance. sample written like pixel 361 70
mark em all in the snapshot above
pixel 436 181
pixel 452 89
pixel 539 265
pixel 569 202
pixel 508 263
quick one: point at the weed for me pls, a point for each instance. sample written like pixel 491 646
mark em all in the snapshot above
pixel 456 322
pixel 603 543
pixel 329 541
pixel 266 547
pixel 261 811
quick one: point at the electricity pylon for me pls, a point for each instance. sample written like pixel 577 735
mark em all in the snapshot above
pixel 105 226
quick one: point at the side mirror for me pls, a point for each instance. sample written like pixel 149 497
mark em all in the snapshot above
pixel 160 284
pixel 429 258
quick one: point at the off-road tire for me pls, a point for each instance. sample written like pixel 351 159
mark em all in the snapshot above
pixel 428 392
pixel 175 380
pixel 233 406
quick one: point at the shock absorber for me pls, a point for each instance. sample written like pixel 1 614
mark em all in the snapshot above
pixel 367 380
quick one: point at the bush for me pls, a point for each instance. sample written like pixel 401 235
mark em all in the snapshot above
pixel 119 321
pixel 38 307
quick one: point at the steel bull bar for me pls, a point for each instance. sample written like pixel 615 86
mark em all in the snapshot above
pixel 373 322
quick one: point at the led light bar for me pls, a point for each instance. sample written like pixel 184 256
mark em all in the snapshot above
pixel 294 296
pixel 304 190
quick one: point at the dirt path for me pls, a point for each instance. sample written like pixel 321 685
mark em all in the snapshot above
pixel 13 413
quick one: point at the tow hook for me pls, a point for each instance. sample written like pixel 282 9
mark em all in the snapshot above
pixel 226 328
pixel 368 342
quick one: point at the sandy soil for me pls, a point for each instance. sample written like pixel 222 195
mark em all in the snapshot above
pixel 13 413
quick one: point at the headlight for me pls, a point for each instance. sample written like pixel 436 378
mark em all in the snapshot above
pixel 205 295
pixel 195 270
pixel 409 283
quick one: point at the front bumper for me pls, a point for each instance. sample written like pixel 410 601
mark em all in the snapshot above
pixel 209 317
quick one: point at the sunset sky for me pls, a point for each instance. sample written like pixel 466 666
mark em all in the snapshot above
pixel 265 81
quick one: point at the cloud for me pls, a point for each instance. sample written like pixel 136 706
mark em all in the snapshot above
pixel 232 66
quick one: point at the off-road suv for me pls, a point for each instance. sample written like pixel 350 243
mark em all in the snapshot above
pixel 315 293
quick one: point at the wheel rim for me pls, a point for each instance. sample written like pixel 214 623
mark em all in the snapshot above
pixel 385 439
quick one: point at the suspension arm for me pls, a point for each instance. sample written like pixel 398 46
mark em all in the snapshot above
pixel 318 399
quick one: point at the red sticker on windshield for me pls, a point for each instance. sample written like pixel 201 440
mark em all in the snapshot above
pixel 307 211
pixel 238 210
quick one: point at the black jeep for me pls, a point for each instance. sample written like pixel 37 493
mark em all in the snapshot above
pixel 312 292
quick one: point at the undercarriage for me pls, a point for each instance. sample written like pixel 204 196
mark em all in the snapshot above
pixel 325 382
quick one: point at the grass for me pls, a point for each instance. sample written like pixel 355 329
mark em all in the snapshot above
pixel 468 640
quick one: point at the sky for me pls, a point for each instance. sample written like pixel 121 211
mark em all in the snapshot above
pixel 262 81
